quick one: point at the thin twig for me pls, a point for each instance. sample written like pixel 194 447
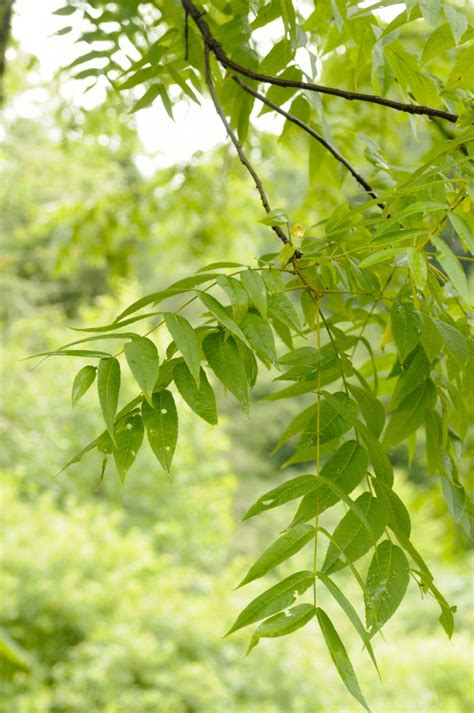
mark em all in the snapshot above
pixel 217 49
pixel 238 147
pixel 295 120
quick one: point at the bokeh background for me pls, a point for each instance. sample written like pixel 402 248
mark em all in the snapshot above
pixel 116 599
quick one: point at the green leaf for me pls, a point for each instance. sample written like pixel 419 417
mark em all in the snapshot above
pixel 129 438
pixel 249 362
pixel 452 268
pixel 161 423
pixel 463 231
pixel 282 310
pixel 276 217
pixel 372 409
pixel 457 22
pixel 256 290
pixel 350 612
pixel 142 358
pixel 431 339
pixel 66 10
pixel 398 517
pixel 237 295
pixel 148 98
pixel 302 387
pixel 438 41
pixel 380 256
pixel 221 263
pixel 73 353
pixel 378 456
pixel 406 328
pixel 459 505
pixel 408 417
pixel 201 399
pixel 222 316
pixel 284 547
pixel 260 336
pixel 117 325
pixel 454 341
pixel 339 656
pixel 418 267
pixel 431 10
pixel 296 425
pixel 177 288
pixel 387 582
pixel 282 624
pixel 331 422
pixel 351 537
pixel 186 341
pixel 345 468
pixel 224 359
pixel 82 381
pixel 108 387
pixel 285 254
pixel 273 600
pixel 413 378
pixel 446 619
pixel 292 489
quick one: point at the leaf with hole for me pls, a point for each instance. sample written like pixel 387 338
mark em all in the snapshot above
pixel 129 439
pixel 273 600
pixel 292 489
pixel 282 624
pixel 161 424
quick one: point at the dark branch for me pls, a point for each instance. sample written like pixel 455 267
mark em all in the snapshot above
pixel 238 147
pixel 294 119
pixel 222 57
pixel 6 8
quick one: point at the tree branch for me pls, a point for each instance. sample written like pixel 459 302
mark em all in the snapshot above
pixel 5 23
pixel 238 147
pixel 222 57
pixel 294 119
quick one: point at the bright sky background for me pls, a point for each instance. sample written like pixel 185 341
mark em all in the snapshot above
pixel 195 127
